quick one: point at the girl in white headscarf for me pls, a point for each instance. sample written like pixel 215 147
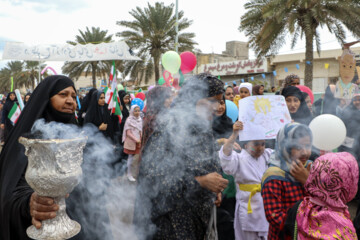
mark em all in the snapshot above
pixel 132 137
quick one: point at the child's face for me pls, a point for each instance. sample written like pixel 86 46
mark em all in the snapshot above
pixel 137 112
pixel 244 92
pixel 126 99
pixel 302 151
pixel 255 148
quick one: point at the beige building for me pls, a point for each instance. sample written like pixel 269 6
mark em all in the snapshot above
pixel 233 65
pixel 321 74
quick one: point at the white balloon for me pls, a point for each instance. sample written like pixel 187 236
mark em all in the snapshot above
pixel 329 132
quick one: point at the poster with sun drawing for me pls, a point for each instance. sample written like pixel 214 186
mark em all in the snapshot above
pixel 262 116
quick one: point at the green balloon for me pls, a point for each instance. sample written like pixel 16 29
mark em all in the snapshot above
pixel 161 81
pixel 171 61
pixel 120 87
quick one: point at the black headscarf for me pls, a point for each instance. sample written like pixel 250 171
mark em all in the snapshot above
pixel 303 114
pixel 6 110
pixel 8 102
pixel 86 101
pixel 329 103
pixel 13 160
pixel 222 126
pixel 97 115
pixel 28 94
pixel 198 87
pixel 125 111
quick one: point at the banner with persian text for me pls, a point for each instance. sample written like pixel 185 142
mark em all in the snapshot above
pixel 235 67
pixel 67 52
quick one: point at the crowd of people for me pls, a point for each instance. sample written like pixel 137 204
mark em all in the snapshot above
pixel 195 179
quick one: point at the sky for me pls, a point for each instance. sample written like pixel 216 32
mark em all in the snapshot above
pixel 58 21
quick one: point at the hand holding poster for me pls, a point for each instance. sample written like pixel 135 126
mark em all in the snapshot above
pixel 262 116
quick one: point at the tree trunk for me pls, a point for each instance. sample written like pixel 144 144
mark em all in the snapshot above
pixel 156 68
pixel 32 81
pixel 309 57
pixel 93 72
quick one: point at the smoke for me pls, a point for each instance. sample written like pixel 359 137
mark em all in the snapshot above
pixel 177 152
pixel 100 203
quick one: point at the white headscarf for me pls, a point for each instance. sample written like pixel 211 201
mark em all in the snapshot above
pixel 246 85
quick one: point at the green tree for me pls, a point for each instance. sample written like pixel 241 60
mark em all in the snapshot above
pixel 151 33
pixel 31 72
pixel 95 68
pixel 12 69
pixel 268 22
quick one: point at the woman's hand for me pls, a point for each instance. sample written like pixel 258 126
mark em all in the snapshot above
pixel 299 172
pixel 103 127
pixel 218 200
pixel 42 208
pixel 213 182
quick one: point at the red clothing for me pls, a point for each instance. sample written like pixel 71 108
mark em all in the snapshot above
pixel 133 152
pixel 278 197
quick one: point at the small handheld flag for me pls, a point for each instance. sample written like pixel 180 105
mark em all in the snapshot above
pixel 14 113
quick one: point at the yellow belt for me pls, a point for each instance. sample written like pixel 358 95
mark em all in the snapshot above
pixel 253 189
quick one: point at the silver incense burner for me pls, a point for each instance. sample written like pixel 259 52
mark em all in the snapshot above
pixel 54 169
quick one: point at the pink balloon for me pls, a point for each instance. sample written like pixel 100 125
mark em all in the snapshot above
pixel 132 96
pixel 140 95
pixel 151 87
pixel 308 91
pixel 46 68
pixel 188 62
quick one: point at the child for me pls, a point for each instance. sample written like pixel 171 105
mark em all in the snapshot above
pixel 324 214
pixel 247 168
pixel 245 90
pixel 282 183
pixel 132 137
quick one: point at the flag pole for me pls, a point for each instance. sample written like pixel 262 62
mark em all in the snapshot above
pixel 177 27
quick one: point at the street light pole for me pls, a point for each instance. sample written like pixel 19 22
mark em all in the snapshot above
pixel 176 27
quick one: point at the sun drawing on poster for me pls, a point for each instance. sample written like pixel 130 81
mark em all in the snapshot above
pixel 262 105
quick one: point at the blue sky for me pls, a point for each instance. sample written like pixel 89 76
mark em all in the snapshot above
pixel 57 21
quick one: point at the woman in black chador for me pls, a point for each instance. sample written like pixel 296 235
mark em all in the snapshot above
pixel 99 115
pixel 180 174
pixel 6 123
pixel 54 100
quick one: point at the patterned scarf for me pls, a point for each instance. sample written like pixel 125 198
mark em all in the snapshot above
pixel 331 184
pixel 132 122
pixel 280 160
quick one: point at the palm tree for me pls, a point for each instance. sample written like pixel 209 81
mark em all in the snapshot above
pixel 95 68
pixel 12 69
pixel 151 33
pixel 267 22
pixel 31 72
